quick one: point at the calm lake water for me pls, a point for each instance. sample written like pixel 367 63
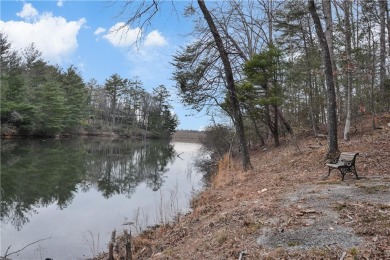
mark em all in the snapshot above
pixel 69 195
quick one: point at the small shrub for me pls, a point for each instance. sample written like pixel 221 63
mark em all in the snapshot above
pixel 221 238
pixel 353 252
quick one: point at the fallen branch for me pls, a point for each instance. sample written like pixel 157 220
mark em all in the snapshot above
pixel 178 155
pixel 242 254
pixel 17 251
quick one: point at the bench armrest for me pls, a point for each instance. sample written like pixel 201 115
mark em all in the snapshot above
pixel 329 161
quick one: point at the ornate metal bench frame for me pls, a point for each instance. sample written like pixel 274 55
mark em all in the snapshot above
pixel 345 163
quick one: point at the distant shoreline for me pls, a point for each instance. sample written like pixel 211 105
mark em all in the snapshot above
pixel 180 135
pixel 188 136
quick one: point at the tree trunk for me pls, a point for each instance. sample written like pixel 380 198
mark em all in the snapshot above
pixel 382 50
pixel 333 151
pixel 347 7
pixel 258 133
pixel 355 28
pixel 285 123
pixel 388 24
pixel 270 25
pixel 239 124
pixel 371 51
pixel 309 83
pixel 326 4
pixel 113 104
pixel 275 131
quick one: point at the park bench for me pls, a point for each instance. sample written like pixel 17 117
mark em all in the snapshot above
pixel 345 163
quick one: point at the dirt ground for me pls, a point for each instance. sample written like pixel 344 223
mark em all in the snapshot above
pixel 284 208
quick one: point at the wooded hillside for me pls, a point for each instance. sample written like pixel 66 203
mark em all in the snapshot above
pixel 284 208
pixel 272 67
pixel 279 67
pixel 44 100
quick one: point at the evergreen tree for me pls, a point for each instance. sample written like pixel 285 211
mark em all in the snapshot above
pixel 76 97
pixel 51 111
pixel 161 120
pixel 114 87
pixel 262 71
pixel 15 109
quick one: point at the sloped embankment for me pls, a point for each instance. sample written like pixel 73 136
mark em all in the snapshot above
pixel 284 209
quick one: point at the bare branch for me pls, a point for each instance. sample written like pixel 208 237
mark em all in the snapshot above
pixel 17 251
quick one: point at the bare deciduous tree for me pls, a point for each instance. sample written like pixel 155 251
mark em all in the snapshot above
pixel 228 73
pixel 333 151
pixel 348 67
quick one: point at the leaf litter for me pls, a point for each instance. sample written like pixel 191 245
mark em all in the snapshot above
pixel 284 208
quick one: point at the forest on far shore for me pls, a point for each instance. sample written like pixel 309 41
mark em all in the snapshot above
pixel 39 99
pixel 260 69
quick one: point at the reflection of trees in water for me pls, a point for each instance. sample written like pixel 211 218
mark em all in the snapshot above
pixel 40 173
pixel 119 167
pixel 33 175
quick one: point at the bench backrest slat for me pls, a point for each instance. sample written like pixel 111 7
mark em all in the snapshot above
pixel 348 156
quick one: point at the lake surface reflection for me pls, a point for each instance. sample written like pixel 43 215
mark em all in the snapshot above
pixel 71 194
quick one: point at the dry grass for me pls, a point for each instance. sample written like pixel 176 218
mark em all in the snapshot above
pixel 229 217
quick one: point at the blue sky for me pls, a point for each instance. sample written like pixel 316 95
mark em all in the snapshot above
pixel 80 33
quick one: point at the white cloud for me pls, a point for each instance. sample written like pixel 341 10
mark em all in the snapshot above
pixel 121 35
pixel 99 31
pixel 28 11
pixel 154 38
pixel 60 3
pixel 150 64
pixel 54 36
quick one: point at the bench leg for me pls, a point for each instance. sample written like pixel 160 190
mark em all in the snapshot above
pixel 343 171
pixel 353 169
pixel 330 169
